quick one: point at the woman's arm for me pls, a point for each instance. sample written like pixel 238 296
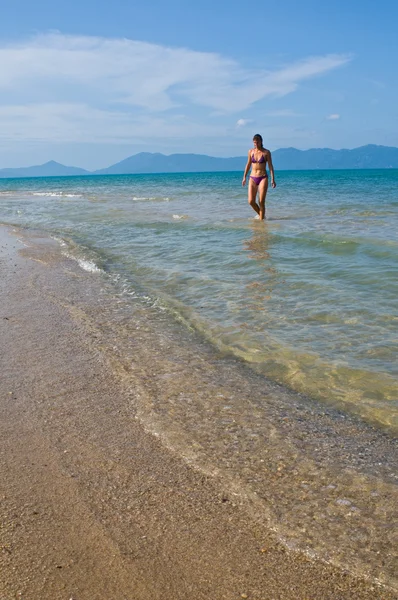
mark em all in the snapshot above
pixel 271 169
pixel 247 168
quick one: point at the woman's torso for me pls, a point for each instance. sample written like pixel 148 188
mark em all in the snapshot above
pixel 258 161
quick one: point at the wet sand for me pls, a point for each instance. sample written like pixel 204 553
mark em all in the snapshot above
pixel 94 506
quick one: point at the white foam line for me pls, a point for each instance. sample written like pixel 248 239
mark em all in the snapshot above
pixel 57 195
pixel 87 265
pixel 150 198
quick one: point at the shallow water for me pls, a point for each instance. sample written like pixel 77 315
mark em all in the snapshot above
pixel 323 481
pixel 308 298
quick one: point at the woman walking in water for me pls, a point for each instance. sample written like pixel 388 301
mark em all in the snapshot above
pixel 257 159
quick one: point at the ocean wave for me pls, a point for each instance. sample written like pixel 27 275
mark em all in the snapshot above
pixel 56 194
pixel 84 263
pixel 87 265
pixel 143 198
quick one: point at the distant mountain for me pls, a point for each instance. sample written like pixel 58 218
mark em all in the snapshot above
pixel 145 162
pixel 365 157
pixel 49 169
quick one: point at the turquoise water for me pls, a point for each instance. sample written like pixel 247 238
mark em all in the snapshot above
pixel 308 298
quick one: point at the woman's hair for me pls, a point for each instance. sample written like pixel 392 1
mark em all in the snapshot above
pixel 259 138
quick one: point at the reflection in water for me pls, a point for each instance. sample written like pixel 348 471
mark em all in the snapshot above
pixel 259 289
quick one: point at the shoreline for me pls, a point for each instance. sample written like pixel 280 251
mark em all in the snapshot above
pixel 95 503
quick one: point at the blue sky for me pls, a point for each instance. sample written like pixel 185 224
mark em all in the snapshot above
pixel 88 83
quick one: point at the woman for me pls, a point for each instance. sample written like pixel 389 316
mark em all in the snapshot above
pixel 257 159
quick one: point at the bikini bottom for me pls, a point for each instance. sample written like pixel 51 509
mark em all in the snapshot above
pixel 258 180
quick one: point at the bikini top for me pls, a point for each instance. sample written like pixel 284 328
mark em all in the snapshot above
pixel 262 159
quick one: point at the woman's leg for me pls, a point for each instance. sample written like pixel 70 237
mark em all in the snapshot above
pixel 252 193
pixel 262 192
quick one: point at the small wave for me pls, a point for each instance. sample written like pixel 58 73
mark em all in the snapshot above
pixel 57 195
pixel 88 265
pixel 158 198
pixel 85 264
pixel 180 217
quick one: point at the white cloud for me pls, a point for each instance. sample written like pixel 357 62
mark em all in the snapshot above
pixel 243 122
pixel 333 117
pixel 79 87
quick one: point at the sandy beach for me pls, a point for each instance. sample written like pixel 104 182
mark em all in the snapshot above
pixel 94 505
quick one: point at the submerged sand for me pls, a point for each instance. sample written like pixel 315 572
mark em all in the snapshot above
pixel 94 506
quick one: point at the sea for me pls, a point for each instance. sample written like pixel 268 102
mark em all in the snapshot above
pixel 309 297
pixel 277 361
